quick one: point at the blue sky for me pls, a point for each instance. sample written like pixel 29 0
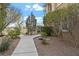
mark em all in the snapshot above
pixel 27 8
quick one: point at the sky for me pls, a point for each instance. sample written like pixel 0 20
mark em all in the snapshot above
pixel 26 9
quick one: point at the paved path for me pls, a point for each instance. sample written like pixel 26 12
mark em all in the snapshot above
pixel 26 46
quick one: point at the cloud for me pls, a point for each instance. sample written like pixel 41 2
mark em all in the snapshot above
pixel 39 18
pixel 27 7
pixel 25 18
pixel 12 25
pixel 37 7
pixel 39 21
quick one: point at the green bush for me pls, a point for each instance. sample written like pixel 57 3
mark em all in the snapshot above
pixel 5 44
pixel 46 31
pixel 17 30
pixel 14 33
pixel 43 33
pixel 44 42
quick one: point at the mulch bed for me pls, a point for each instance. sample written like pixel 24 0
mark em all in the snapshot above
pixel 10 50
pixel 56 48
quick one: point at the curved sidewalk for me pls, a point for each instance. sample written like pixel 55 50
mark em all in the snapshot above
pixel 26 46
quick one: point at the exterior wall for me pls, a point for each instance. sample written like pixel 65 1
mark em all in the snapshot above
pixel 62 5
pixel 0 6
pixel 51 6
pixel 74 37
pixel 48 7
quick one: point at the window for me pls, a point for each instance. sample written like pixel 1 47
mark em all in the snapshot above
pixel 65 26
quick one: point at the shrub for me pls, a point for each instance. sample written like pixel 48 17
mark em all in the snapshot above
pixel 44 42
pixel 17 30
pixel 5 44
pixel 14 33
pixel 43 33
pixel 46 31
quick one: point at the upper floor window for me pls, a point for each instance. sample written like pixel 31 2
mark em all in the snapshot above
pixel 65 26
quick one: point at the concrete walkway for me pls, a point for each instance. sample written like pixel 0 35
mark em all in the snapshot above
pixel 26 46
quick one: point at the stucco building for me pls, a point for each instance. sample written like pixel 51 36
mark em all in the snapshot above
pixel 51 6
pixel 66 34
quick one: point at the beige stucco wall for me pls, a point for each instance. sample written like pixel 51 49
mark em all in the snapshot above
pixel 53 6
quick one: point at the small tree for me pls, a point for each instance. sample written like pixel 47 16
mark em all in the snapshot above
pixel 3 14
pixel 8 15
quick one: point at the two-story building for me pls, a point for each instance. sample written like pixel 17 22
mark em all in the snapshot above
pixel 74 37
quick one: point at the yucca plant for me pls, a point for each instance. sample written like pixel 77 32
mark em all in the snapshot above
pixel 4 44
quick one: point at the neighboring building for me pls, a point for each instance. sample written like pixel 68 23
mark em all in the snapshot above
pixel 54 6
pixel 0 6
pixel 74 37
pixel 51 6
pixel 31 24
pixel 48 7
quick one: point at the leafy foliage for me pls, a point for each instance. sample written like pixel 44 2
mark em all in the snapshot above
pixel 46 31
pixel 3 14
pixel 55 17
pixel 14 33
pixel 4 44
pixel 17 30
pixel 44 42
pixel 69 15
pixel 8 15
